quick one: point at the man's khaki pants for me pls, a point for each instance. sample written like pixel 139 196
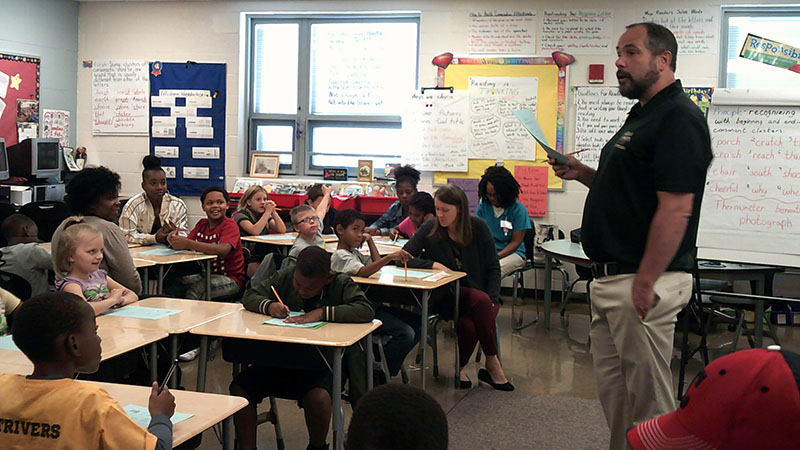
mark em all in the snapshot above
pixel 631 356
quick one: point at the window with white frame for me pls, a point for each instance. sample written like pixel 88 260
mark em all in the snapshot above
pixel 328 91
pixel 781 24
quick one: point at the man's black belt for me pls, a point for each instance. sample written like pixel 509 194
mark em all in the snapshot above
pixel 600 270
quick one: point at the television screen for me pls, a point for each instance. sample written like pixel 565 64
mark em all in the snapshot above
pixel 3 157
pixel 47 155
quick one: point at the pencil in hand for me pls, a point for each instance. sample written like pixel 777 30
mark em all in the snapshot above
pixel 277 296
pixel 396 235
pixel 577 151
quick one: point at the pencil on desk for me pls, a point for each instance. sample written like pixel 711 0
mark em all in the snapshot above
pixel 278 296
pixel 405 269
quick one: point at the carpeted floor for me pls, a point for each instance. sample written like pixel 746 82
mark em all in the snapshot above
pixel 489 419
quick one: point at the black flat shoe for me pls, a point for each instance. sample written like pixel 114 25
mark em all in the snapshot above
pixel 464 384
pixel 484 376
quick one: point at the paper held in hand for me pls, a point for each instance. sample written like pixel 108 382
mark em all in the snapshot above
pixel 528 120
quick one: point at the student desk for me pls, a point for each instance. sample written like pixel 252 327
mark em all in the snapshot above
pixel 426 287
pixel 759 276
pixel 115 341
pixel 164 260
pixel 383 249
pixel 13 367
pixel 248 325
pixel 193 313
pixel 283 240
pixel 564 250
pixel 208 409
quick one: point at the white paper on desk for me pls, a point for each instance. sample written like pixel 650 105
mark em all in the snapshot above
pixel 386 278
pixel 196 173
pixel 163 132
pixel 436 277
pixel 141 415
pixel 163 151
pixel 205 152
pixel 200 132
pixel 162 101
pixel 183 111
pixel 199 102
pixel 198 121
pixel 3 84
pixel 164 121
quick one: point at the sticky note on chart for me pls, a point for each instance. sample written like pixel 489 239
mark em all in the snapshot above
pixel 141 415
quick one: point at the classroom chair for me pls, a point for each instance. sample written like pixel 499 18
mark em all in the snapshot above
pixel 47 215
pixel 15 284
pixel 270 416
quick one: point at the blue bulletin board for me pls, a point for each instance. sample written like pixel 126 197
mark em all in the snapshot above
pixel 187 124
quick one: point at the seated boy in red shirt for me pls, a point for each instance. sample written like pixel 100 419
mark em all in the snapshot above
pixel 215 235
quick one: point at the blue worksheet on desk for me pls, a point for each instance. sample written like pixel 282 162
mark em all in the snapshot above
pixel 6 343
pixel 401 272
pixel 142 312
pixel 161 251
pixel 275 237
pixel 281 323
pixel 141 415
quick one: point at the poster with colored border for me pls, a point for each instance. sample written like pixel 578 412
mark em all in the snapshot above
pixel 551 103
pixel 19 80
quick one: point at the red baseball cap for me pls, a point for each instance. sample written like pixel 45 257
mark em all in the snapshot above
pixel 746 400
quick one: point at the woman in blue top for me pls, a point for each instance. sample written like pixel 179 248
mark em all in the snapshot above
pixel 506 216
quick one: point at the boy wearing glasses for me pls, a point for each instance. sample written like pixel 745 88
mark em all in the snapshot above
pixel 306 222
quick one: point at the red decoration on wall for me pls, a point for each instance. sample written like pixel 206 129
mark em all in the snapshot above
pixel 23 84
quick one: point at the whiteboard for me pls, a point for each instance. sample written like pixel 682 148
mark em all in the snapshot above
pixel 120 93
pixel 600 111
pixel 751 204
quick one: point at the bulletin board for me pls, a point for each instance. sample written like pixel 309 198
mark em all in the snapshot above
pixel 19 80
pixel 550 108
pixel 187 124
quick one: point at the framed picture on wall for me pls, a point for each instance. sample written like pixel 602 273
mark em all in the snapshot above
pixel 263 165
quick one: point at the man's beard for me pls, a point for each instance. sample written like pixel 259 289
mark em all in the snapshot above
pixel 636 88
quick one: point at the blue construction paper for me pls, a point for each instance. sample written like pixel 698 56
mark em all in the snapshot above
pixel 274 237
pixel 6 343
pixel 400 272
pixel 143 312
pixel 161 251
pixel 281 323
pixel 141 415
pixel 529 121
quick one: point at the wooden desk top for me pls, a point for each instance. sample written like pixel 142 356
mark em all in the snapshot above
pixel 115 341
pixel 284 239
pixel 185 256
pixel 194 313
pixel 411 283
pixel 248 325
pixel 208 409
pixel 138 262
pixel 13 367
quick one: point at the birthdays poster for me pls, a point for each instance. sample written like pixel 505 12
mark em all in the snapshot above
pixel 55 124
pixel 19 81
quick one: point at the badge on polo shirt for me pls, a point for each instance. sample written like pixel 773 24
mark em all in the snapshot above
pixel 623 140
pixel 506 226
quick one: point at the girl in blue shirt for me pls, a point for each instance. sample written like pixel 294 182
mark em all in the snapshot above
pixel 506 216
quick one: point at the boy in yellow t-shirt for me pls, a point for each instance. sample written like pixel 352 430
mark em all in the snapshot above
pixel 50 410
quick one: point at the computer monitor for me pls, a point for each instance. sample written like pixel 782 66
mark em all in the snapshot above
pixel 35 158
pixel 4 175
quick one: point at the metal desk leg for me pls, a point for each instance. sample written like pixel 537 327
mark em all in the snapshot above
pixel 145 281
pixel 208 280
pixel 370 359
pixel 153 362
pixel 426 294
pixel 160 279
pixel 338 414
pixel 758 334
pixel 228 434
pixel 173 356
pixel 456 374
pixel 202 365
pixel 548 289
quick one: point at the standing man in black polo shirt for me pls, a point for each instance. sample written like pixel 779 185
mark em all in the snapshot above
pixel 639 226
